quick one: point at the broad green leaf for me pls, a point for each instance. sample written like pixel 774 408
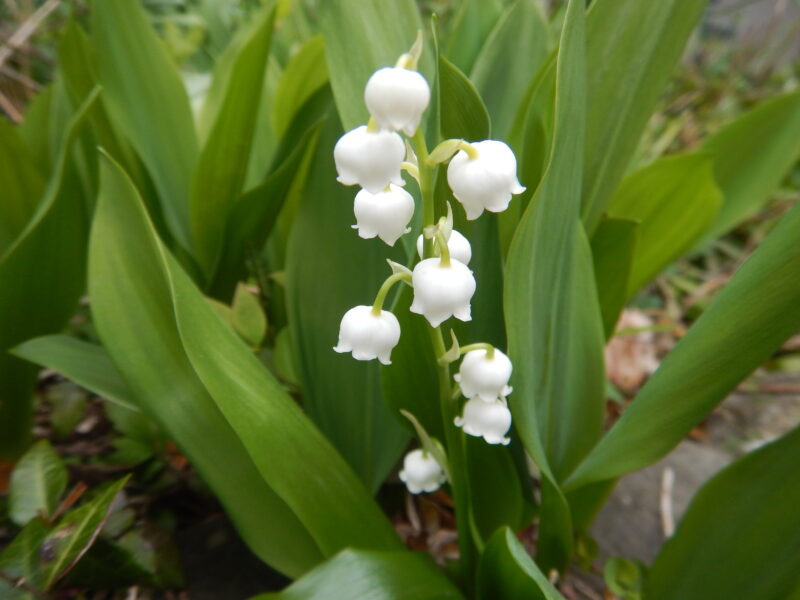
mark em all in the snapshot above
pixel 78 63
pixel 135 317
pixel 632 48
pixel 145 97
pixel 748 320
pixel 739 538
pixel 256 211
pixel 674 199
pixel 37 483
pixel 360 37
pixel 314 480
pixel 35 127
pixel 507 572
pixel 305 73
pixel 75 533
pixel 19 560
pixel 613 247
pixel 751 156
pixel 222 166
pixel 53 246
pixel 329 270
pixel 472 24
pixel 247 317
pixel 21 184
pixel 373 575
pixel 524 33
pixel 85 363
pixel 461 109
pixel 552 312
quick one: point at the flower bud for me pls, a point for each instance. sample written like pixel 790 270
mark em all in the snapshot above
pixel 370 159
pixel 396 98
pixel 368 335
pixel 458 246
pixel 485 182
pixel 484 377
pixel 385 214
pixel 442 291
pixel 489 420
pixel 421 472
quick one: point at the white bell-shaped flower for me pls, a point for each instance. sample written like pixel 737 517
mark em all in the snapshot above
pixel 396 98
pixel 442 291
pixel 368 335
pixel 421 472
pixel 370 159
pixel 385 214
pixel 485 182
pixel 458 246
pixel 483 376
pixel 489 420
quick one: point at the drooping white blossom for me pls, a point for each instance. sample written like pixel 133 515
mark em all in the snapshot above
pixel 421 472
pixel 442 291
pixel 385 214
pixel 370 159
pixel 483 376
pixel 489 420
pixel 458 246
pixel 485 182
pixel 396 98
pixel 368 335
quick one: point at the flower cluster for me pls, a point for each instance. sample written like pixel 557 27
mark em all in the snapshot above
pixel 482 176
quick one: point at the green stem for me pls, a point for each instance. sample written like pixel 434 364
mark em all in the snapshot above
pixel 444 249
pixel 454 437
pixel 380 297
pixel 479 346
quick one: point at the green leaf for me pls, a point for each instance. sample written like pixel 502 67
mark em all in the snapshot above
pixel 356 47
pixel 304 75
pixel 21 183
pixel 552 313
pixel 256 211
pixel 374 575
pixel 145 97
pixel 748 320
pixel 37 482
pixel 247 317
pixel 632 48
pixel 507 572
pixel 75 533
pixel 524 33
pixel 674 199
pixel 613 247
pixel 19 560
pixel 624 578
pixel 739 538
pixel 751 156
pixel 222 166
pixel 135 317
pixel 85 363
pixel 329 270
pixel 462 110
pixel 314 480
pixel 53 246
pixel 472 24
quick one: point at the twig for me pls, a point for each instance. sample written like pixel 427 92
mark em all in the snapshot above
pixel 9 108
pixel 665 504
pixel 27 29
